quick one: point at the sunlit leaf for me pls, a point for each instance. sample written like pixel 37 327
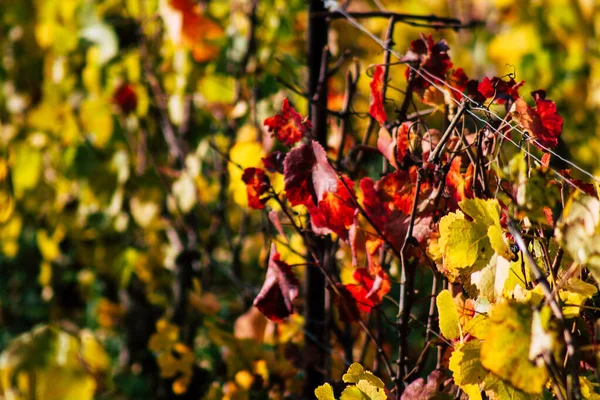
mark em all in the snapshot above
pixel 324 392
pixel 448 313
pixel 506 348
pixel 356 373
pixel 376 108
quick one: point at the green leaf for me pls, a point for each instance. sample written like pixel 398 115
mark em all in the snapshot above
pixel 449 318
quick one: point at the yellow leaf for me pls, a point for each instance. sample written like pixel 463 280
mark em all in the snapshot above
pixel 246 155
pixel 97 121
pixel 473 391
pixel 51 357
pixel 449 324
pixel 574 294
pixel 26 168
pixel 485 212
pixel 244 379
pixel 371 391
pixel 324 392
pixel 181 384
pixel 353 393
pixel 465 364
pixel 498 389
pixel 7 205
pixel 459 241
pixel 478 326
pixel 92 353
pixel 506 348
pixel 356 373
pixel 497 241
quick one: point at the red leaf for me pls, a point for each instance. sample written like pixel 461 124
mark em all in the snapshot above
pixel 376 109
pixel 297 172
pixel 588 188
pixel 279 289
pixel 370 289
pixel 289 126
pixel 396 227
pixel 257 184
pixel 352 239
pixel 499 89
pixel 431 56
pixel 543 123
pixel 460 81
pixel 376 209
pixel 402 141
pixel 126 98
pixel 324 177
pixel 335 212
pixel 394 149
pixel 346 303
pixel 273 162
pixel 398 188
pixel 311 181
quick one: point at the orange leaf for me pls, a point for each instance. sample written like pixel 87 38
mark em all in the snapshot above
pixel 376 109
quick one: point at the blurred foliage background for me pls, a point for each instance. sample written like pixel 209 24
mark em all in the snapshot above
pixel 128 257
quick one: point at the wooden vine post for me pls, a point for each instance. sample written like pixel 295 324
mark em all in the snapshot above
pixel 316 356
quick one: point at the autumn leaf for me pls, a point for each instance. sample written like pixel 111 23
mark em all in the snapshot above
pixel 438 386
pixel 257 184
pixel 465 363
pixel 370 288
pixel 457 182
pixel 395 148
pixel 543 123
pixel 463 241
pixel 376 108
pixel 449 324
pixel 500 90
pixel 345 302
pixel 288 127
pixel 505 352
pixel 187 26
pixel 310 180
pixel 356 373
pixel 279 289
pixel 324 392
pixel 273 162
pixel 377 210
pixel 431 56
pixel 125 98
